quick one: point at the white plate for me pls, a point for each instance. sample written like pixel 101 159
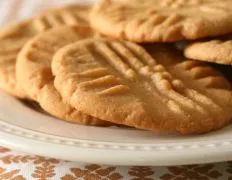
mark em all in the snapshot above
pixel 26 130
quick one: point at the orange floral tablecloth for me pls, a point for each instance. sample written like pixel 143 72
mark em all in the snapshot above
pixel 19 166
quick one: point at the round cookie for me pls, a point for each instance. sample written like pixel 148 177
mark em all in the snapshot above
pixel 121 82
pixel 13 37
pixel 34 73
pixel 216 51
pixel 162 20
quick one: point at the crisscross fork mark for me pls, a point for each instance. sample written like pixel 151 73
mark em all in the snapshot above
pixel 125 61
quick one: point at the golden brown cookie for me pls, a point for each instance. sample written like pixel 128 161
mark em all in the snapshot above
pixel 13 38
pixel 33 70
pixel 162 20
pixel 215 51
pixel 121 82
pixel 72 14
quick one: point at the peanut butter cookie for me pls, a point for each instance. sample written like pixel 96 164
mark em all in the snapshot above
pixel 121 82
pixel 162 20
pixel 34 71
pixel 13 38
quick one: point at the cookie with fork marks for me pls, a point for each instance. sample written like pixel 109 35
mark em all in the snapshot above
pixel 121 82
pixel 13 38
pixel 33 70
pixel 162 21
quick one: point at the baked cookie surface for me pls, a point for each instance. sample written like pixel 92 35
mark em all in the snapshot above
pixel 162 20
pixel 215 51
pixel 121 82
pixel 71 15
pixel 34 71
pixel 13 38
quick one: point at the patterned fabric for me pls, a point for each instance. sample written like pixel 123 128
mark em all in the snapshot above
pixel 21 166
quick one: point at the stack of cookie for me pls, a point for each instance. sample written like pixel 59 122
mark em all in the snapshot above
pixel 121 65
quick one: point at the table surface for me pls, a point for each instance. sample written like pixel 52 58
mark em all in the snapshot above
pixel 18 166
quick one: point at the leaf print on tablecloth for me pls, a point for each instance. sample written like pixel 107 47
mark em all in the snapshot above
pixel 10 175
pixel 141 173
pixel 194 172
pixel 4 150
pixel 44 172
pixel 93 172
pixel 40 160
pixel 16 159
